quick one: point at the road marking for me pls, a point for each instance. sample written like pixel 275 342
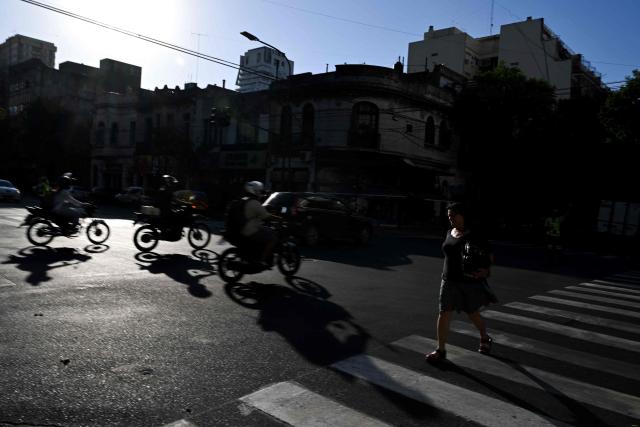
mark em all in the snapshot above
pixel 596 298
pixel 630 289
pixel 592 394
pixel 568 331
pixel 470 405
pixel 556 352
pixel 180 423
pixel 599 292
pixel 612 282
pixel 584 318
pixel 298 406
pixel 611 310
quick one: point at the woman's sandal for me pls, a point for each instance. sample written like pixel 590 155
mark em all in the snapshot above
pixel 436 356
pixel 485 345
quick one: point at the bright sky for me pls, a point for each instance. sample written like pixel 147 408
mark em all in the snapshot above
pixel 311 33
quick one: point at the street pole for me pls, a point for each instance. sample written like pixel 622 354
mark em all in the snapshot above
pixel 286 157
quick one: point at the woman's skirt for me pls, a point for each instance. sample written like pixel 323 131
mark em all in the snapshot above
pixel 465 296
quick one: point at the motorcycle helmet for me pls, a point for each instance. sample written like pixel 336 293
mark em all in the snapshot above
pixel 66 180
pixel 255 188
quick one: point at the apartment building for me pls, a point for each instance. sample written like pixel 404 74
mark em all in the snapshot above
pixel 260 67
pixel 528 45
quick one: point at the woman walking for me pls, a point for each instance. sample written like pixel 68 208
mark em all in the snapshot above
pixel 464 286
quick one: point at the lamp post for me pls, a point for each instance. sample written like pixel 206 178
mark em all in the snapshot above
pixel 285 156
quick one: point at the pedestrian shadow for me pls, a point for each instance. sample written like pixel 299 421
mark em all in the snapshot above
pixel 180 268
pixel 38 261
pixel 581 414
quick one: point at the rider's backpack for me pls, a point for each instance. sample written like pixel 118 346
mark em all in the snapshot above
pixel 235 218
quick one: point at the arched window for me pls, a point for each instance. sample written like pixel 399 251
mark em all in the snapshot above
pixel 308 123
pixel 364 125
pixel 100 134
pixel 113 136
pixel 285 125
pixel 445 135
pixel 429 132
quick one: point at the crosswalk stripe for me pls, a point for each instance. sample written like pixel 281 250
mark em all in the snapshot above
pixel 298 406
pixel 617 283
pixel 556 352
pixel 629 289
pixel 568 331
pixel 600 292
pixel 592 394
pixel 596 298
pixel 611 310
pixel 627 276
pixel 584 318
pixel 468 404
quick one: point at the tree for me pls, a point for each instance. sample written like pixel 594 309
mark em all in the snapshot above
pixel 621 112
pixel 503 120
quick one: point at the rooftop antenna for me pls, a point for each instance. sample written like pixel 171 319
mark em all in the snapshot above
pixel 198 50
pixel 491 28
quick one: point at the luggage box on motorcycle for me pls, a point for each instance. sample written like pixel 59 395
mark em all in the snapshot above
pixel 150 210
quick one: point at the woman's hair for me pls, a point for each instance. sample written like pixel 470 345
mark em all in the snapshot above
pixel 457 207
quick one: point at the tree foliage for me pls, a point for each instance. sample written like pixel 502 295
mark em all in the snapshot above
pixel 621 113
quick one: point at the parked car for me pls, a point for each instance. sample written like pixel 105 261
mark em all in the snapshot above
pixel 103 194
pixel 198 199
pixel 8 191
pixel 314 216
pixel 131 196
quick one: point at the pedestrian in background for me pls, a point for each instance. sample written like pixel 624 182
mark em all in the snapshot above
pixel 464 287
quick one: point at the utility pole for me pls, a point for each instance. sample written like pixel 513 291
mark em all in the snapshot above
pixel 198 50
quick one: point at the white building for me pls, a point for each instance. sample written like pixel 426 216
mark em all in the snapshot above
pixel 268 65
pixel 528 45
pixel 20 48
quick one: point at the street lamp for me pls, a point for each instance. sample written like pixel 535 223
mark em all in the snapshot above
pixel 256 39
pixel 286 159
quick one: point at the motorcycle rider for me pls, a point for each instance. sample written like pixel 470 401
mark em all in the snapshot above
pixel 169 211
pixel 65 205
pixel 254 231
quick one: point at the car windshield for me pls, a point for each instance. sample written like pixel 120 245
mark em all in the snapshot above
pixel 280 199
pixel 5 183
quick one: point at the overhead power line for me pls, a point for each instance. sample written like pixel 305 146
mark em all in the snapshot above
pixel 181 49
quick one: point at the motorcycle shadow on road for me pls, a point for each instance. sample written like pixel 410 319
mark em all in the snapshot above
pixel 38 261
pixel 320 330
pixel 181 268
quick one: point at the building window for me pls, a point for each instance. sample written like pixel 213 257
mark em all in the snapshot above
pixel 169 120
pixel 100 134
pixel 132 132
pixel 158 119
pixel 364 117
pixel 445 135
pixel 259 58
pixel 308 123
pixel 429 132
pixel 364 126
pixel 285 125
pixel 113 136
pixel 186 124
pixel 267 56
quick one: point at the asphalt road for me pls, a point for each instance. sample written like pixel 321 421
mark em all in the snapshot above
pixel 104 335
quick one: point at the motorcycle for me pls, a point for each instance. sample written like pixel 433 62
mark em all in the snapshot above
pixel 156 227
pixel 44 225
pixel 235 262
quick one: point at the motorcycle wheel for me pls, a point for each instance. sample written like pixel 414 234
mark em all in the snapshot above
pixel 98 232
pixel 225 266
pixel 39 233
pixel 145 238
pixel 289 259
pixel 199 235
